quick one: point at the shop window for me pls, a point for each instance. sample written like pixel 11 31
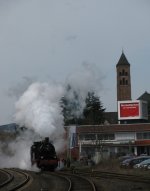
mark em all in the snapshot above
pixel 105 136
pixel 139 136
pixel 90 137
pixel 143 135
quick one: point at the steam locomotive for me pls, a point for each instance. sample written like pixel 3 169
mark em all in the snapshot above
pixel 43 154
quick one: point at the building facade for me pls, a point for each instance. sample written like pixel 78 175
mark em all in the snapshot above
pixel 114 139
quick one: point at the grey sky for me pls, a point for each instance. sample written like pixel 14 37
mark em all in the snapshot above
pixel 50 39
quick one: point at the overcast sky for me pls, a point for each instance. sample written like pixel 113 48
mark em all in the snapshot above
pixel 44 40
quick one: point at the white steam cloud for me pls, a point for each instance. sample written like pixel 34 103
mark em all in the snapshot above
pixel 17 153
pixel 20 88
pixel 39 110
pixel 88 78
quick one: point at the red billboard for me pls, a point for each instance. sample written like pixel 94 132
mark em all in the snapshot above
pixel 129 109
pixel 136 109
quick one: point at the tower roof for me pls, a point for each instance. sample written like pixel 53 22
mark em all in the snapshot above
pixel 123 60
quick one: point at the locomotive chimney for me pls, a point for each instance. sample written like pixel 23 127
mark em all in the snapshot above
pixel 46 139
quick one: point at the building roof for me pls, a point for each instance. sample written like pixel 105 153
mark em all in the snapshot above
pixel 123 60
pixel 145 96
pixel 111 117
pixel 8 128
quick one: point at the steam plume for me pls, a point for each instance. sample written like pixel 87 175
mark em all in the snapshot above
pixel 38 110
pixel 88 78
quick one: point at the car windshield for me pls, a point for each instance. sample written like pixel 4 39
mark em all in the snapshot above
pixel 127 160
pixel 145 161
pixel 139 160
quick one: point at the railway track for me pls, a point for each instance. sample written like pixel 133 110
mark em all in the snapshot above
pixel 6 177
pixel 63 181
pixel 113 175
pixel 14 179
pixel 69 180
pixel 78 182
pixel 128 177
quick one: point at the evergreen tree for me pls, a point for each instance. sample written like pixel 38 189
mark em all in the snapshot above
pixel 71 107
pixel 93 111
pixel 73 112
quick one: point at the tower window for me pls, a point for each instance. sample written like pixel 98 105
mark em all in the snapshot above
pixel 123 81
pixel 123 72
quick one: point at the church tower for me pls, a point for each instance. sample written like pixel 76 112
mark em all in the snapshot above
pixel 123 79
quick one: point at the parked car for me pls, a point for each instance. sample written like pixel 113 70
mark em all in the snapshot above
pixel 122 158
pixel 129 163
pixel 142 164
pixel 125 163
pixel 148 167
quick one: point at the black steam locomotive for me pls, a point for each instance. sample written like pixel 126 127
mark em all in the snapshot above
pixel 43 154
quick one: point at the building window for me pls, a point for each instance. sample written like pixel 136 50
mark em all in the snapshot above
pixel 139 136
pixel 106 136
pixel 91 136
pixel 87 136
pixel 143 135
